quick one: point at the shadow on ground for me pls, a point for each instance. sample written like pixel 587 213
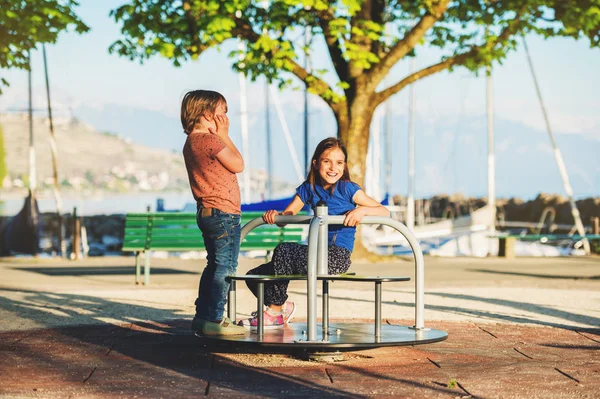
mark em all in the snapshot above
pixel 130 356
pixel 522 307
pixel 544 276
pixel 97 271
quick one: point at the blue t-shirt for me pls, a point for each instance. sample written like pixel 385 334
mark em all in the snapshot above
pixel 339 203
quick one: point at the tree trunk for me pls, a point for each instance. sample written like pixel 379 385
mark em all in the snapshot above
pixel 356 138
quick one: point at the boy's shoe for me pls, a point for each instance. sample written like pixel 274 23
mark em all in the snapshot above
pixel 289 308
pixel 197 324
pixel 271 321
pixel 225 327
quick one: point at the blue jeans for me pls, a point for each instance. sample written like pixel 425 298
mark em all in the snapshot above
pixel 221 233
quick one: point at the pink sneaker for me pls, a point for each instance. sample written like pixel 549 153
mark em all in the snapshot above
pixel 271 320
pixel 289 308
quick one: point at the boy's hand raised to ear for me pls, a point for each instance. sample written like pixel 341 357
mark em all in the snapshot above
pixel 221 128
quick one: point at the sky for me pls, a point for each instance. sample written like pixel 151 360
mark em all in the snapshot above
pixel 83 74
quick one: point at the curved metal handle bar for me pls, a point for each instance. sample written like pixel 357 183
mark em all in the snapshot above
pixel 416 248
pixel 284 220
pixel 312 258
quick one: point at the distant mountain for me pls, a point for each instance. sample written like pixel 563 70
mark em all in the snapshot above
pixel 451 157
pixel 142 126
pixel 90 160
pixel 87 158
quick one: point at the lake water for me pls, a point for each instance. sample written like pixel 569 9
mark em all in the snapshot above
pixel 102 204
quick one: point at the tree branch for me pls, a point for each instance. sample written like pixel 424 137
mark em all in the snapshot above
pixel 363 43
pixel 456 60
pixel 333 44
pixel 409 41
pixel 192 25
pixel 385 94
pixel 319 86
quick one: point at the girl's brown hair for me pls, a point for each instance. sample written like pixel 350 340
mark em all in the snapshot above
pixel 198 103
pixel 327 144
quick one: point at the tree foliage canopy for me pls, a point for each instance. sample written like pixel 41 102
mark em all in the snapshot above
pixel 365 39
pixel 25 23
pixel 362 35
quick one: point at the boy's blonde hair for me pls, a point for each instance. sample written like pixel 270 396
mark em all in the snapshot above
pixel 198 103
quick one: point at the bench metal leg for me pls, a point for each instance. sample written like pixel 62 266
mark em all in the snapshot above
pixel 231 311
pixel 325 309
pixel 260 299
pixel 137 267
pixel 147 268
pixel 377 309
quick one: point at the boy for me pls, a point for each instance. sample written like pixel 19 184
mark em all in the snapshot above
pixel 212 161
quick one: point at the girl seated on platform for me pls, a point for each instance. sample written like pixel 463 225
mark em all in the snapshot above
pixel 328 180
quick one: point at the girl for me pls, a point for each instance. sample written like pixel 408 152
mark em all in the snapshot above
pixel 328 180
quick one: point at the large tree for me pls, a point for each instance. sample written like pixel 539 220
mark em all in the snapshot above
pixel 365 39
pixel 25 23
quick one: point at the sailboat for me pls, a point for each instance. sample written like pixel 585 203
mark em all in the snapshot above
pixel 21 233
pixel 474 234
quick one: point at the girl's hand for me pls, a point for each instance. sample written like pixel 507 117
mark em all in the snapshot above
pixel 221 128
pixel 269 216
pixel 354 217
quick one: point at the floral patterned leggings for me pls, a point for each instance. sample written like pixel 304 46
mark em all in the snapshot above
pixel 291 258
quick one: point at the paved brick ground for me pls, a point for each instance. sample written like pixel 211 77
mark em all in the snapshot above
pixel 149 359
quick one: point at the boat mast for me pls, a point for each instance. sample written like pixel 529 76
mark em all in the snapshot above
pixel 307 68
pixel 286 133
pixel 244 127
pixel 54 152
pixel 32 165
pixel 491 156
pixel 388 151
pixel 410 204
pixel 559 159
pixel 269 155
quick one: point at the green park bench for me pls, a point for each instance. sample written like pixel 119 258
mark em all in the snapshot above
pixel 178 232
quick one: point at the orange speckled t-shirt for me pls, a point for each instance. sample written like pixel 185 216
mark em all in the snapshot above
pixel 213 185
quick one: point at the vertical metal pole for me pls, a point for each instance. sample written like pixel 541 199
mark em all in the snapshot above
pixel 419 286
pixel 260 328
pixel 376 155
pixel 244 128
pixel 322 266
pixel 286 133
pixel 231 310
pixel 54 152
pixel 137 268
pixel 559 159
pixel 76 237
pixel 377 309
pixel 388 149
pixel 269 154
pixel 491 156
pixel 311 279
pixel 410 205
pixel 325 308
pixel 32 165
pixel 307 68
